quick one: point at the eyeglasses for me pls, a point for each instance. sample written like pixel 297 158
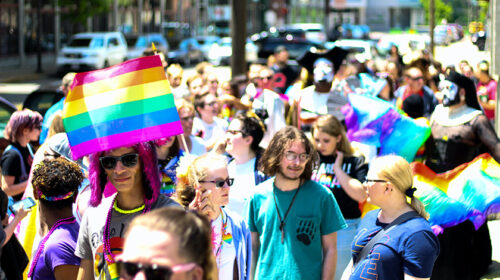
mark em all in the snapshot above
pixel 185 119
pixel 220 183
pixel 415 78
pixel 367 181
pixel 214 82
pixel 211 104
pixel 234 132
pixel 38 127
pixel 128 270
pixel 128 160
pixel 266 78
pixel 291 156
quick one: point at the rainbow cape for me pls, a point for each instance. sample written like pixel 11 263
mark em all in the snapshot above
pixel 120 106
pixel 373 121
pixel 471 191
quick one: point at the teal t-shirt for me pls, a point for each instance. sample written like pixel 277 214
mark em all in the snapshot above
pixel 313 214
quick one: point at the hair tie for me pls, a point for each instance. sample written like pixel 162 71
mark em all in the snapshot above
pixel 409 192
pixel 56 197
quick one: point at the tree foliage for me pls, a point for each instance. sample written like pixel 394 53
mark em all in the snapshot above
pixel 80 10
pixel 442 10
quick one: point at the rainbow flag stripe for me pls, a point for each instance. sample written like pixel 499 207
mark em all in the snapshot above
pixel 120 106
pixel 373 121
pixel 471 191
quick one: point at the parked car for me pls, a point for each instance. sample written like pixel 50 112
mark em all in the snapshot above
pixel 6 110
pixel 206 42
pixel 90 51
pixel 314 32
pixel 221 53
pixel 362 50
pixel 296 47
pixel 138 43
pixel 189 52
pixel 42 99
pixel 352 31
pixel 443 35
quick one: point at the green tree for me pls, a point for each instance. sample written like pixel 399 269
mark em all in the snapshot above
pixel 442 10
pixel 80 10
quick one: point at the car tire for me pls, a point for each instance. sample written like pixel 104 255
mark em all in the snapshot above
pixel 106 64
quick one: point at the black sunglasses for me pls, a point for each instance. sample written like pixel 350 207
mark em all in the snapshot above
pixel 128 160
pixel 128 270
pixel 220 183
pixel 375 181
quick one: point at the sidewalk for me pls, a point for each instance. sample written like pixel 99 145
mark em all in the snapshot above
pixel 12 72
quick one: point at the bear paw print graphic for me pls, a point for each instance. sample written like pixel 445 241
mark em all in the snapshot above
pixel 305 231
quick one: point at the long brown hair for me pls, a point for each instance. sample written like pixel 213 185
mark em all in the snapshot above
pixel 271 159
pixel 331 125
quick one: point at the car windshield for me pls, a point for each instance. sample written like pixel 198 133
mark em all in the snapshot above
pixel 131 41
pixel 141 42
pixel 87 43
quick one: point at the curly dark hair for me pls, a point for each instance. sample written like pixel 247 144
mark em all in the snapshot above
pixel 271 159
pixel 54 177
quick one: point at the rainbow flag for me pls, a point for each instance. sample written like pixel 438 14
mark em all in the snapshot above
pixel 120 106
pixel 471 191
pixel 373 121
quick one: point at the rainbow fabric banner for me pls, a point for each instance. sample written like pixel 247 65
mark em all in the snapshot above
pixel 471 191
pixel 120 106
pixel 373 121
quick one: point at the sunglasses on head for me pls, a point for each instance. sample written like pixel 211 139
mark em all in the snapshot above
pixel 128 160
pixel 220 183
pixel 415 78
pixel 128 270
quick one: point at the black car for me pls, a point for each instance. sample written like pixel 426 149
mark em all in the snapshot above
pixel 295 46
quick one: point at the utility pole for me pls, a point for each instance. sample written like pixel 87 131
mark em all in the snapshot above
pixel 38 36
pixel 432 24
pixel 495 53
pixel 327 16
pixel 239 36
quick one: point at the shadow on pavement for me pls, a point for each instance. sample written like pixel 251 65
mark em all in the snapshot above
pixel 493 271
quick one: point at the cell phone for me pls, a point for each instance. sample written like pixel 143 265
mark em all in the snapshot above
pixel 26 203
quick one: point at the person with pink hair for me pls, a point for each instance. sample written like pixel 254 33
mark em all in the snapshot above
pixel 23 127
pixel 133 173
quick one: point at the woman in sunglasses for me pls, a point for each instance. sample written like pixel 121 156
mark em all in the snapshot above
pixel 179 241
pixel 407 250
pixel 203 184
pixel 133 173
pixel 342 172
pixel 23 127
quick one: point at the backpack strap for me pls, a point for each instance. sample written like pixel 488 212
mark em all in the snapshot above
pixel 368 247
pixel 24 174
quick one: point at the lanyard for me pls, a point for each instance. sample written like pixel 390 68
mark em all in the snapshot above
pixel 282 221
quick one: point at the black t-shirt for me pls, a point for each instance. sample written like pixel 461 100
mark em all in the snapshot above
pixel 11 165
pixel 354 167
pixel 284 77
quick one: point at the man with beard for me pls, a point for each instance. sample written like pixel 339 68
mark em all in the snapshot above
pixel 293 220
pixel 459 128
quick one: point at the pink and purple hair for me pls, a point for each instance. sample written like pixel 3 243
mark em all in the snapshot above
pixel 150 174
pixel 19 121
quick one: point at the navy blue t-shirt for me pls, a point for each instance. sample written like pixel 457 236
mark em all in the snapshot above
pixel 410 247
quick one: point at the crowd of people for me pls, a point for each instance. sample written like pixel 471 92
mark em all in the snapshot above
pixel 263 183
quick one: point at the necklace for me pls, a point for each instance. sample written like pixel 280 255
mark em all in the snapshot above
pixel 108 255
pixel 122 211
pixel 60 222
pixel 224 236
pixel 282 221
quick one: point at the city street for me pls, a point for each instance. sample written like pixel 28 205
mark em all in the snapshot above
pixel 16 83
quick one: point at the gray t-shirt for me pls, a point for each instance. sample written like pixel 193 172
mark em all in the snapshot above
pixel 90 238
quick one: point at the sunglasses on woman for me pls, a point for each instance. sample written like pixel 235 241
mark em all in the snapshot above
pixel 128 270
pixel 220 183
pixel 128 160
